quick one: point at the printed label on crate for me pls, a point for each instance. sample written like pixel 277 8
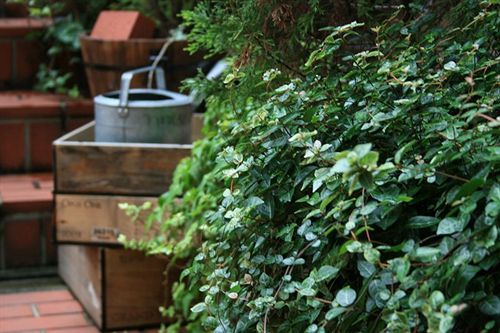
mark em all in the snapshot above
pixel 104 234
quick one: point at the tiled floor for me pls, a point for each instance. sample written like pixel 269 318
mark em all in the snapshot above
pixel 48 311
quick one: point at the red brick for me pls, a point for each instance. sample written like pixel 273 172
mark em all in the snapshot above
pixel 62 307
pixel 35 297
pixel 25 104
pixel 26 193
pixel 20 27
pixel 15 311
pixel 65 321
pixel 28 58
pixel 41 137
pixel 11 147
pixel 22 243
pixel 122 25
pixel 6 63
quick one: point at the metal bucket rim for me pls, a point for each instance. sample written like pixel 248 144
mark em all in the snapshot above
pixel 175 99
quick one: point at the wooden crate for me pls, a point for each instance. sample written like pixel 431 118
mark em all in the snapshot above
pixel 97 219
pixel 92 178
pixel 84 166
pixel 119 289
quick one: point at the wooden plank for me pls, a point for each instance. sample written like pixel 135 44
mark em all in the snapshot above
pixel 142 279
pixel 118 288
pixel 114 168
pixel 97 218
pixel 79 267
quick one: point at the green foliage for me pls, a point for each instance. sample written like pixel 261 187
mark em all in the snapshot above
pixel 337 190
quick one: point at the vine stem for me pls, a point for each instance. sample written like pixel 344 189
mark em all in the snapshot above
pixel 288 271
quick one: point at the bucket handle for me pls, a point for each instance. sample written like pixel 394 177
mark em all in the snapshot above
pixel 125 85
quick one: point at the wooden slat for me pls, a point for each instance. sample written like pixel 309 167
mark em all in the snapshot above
pixel 80 268
pixel 139 305
pixel 115 168
pixel 134 285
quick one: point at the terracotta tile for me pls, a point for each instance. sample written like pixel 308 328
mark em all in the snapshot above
pixel 35 297
pixel 86 329
pixel 65 321
pixel 41 137
pixel 11 147
pixel 6 63
pixel 122 25
pixel 62 307
pixel 15 311
pixel 22 243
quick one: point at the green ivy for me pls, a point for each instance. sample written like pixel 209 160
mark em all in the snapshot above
pixel 337 190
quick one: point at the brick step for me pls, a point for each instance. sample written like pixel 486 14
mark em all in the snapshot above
pixel 30 121
pixel 26 205
pixel 54 311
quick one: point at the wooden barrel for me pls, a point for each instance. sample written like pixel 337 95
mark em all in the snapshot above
pixel 106 60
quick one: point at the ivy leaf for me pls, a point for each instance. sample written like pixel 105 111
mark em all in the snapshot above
pixel 420 222
pixel 426 253
pixel 199 307
pixel 326 272
pixel 372 255
pixel 346 296
pixel 450 225
pixel 334 313
pixel 451 66
pixel 307 292
pixel 365 268
pixel 341 166
pixel 490 306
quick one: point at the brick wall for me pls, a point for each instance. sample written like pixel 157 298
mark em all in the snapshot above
pixel 29 122
pixel 20 52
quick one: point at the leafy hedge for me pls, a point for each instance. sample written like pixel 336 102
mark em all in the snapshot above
pixel 337 190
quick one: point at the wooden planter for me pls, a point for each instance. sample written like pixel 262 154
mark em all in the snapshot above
pixel 106 60
pixel 93 177
pixel 119 289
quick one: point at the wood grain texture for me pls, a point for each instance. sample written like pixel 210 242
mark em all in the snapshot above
pixel 133 285
pixel 114 168
pixel 97 219
pixel 134 289
pixel 79 267
pixel 107 60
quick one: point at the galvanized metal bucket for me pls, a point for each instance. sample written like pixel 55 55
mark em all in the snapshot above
pixel 143 115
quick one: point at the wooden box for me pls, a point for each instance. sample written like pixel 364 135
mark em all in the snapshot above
pixel 97 219
pixel 84 166
pixel 119 289
pixel 92 178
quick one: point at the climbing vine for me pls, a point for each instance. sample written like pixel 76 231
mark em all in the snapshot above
pixel 348 180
